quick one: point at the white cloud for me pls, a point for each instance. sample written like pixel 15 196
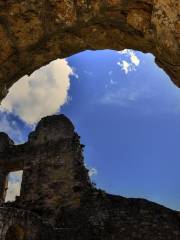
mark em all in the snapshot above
pixel 121 97
pixel 40 94
pixel 14 186
pixel 134 59
pixel 132 64
pixel 113 82
pixel 93 172
pixel 125 97
pixel 125 66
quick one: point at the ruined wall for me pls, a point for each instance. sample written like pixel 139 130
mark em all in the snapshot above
pixel 51 176
pixel 35 32
pixel 8 162
pixel 31 226
pixel 58 201
pixel 51 161
pixel 5 143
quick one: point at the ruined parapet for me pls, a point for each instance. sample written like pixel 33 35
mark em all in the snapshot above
pixel 52 162
pixel 52 129
pixel 54 176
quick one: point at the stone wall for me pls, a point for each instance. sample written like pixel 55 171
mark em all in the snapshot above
pixel 5 144
pixel 50 177
pixel 51 161
pixel 30 225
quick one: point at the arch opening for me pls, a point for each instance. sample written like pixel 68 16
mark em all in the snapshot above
pixel 16 232
pixel 14 186
pixel 130 86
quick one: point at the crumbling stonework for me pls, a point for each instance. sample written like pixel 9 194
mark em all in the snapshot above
pixel 35 32
pixel 58 201
pixel 54 174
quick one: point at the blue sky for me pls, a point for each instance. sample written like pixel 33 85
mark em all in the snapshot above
pixel 126 111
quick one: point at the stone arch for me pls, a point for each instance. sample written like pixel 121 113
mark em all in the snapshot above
pixel 16 232
pixel 32 35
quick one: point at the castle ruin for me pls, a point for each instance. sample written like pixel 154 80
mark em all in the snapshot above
pixel 58 200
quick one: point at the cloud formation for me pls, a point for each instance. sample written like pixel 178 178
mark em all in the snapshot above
pixel 40 94
pixel 122 97
pixel 131 64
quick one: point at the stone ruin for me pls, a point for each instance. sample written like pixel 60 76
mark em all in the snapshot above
pixel 58 200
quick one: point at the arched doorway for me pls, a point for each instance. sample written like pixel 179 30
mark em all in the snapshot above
pixel 15 232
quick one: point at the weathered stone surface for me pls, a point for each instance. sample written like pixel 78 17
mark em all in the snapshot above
pixel 5 143
pixel 59 202
pixel 48 131
pixel 34 32
pixel 51 160
pixel 23 225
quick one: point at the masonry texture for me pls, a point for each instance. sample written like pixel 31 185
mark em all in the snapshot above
pixel 58 200
pixel 35 32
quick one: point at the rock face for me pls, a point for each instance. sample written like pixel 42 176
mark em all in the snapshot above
pixel 35 32
pixel 59 202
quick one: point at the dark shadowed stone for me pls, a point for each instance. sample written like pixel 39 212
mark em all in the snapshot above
pixel 5 141
pixel 52 128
